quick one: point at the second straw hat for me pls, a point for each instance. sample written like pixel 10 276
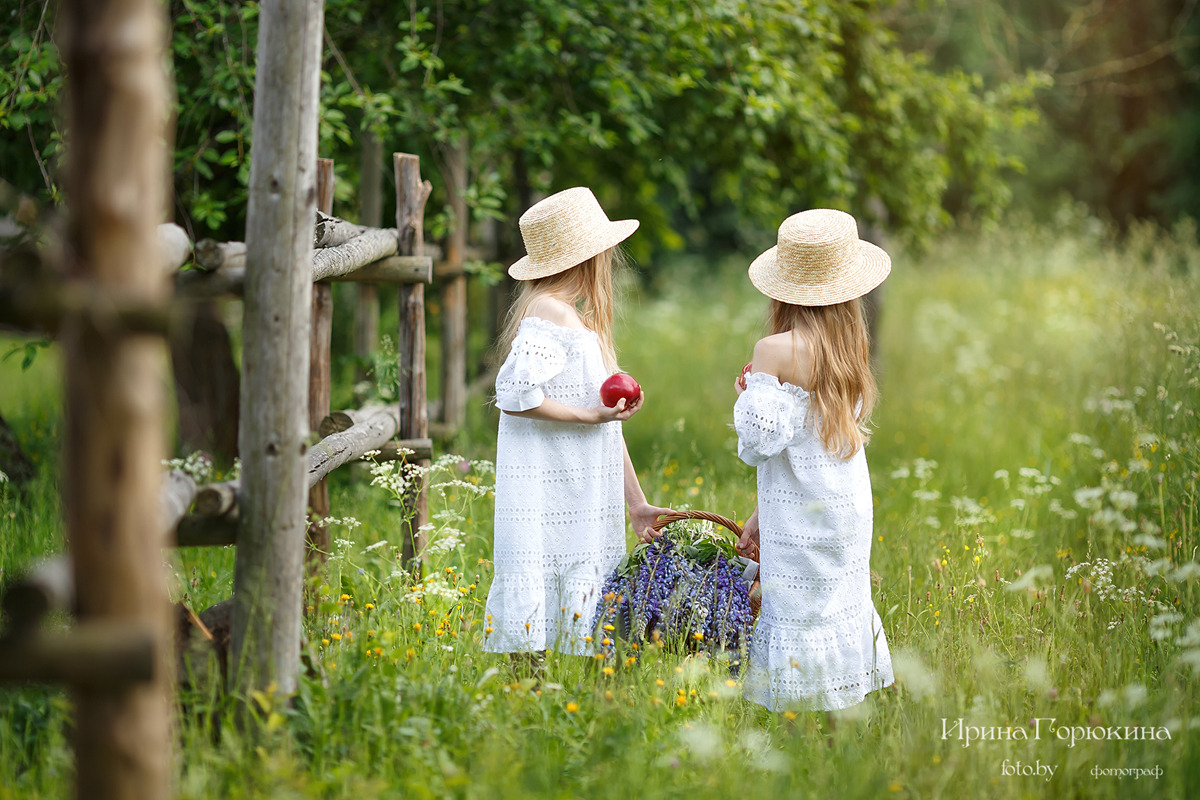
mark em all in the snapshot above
pixel 566 229
pixel 819 260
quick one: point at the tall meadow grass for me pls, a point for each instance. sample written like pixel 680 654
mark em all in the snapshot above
pixel 1035 463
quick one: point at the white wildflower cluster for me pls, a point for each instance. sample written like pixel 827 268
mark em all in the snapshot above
pixel 449 461
pixel 1099 572
pixel 349 523
pixel 968 513
pixel 1032 483
pixel 373 547
pixel 1110 504
pixel 1190 641
pixel 198 465
pixel 447 540
pixel 395 477
pixel 1110 401
pixel 1056 507
pixel 1162 625
pixel 478 490
pixel 432 586
pixel 926 495
pixel 1131 696
pixel 922 469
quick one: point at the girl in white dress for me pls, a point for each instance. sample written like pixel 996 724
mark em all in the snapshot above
pixel 801 414
pixel 563 474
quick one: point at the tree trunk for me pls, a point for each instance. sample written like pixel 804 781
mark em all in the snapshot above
pixel 206 385
pixel 366 315
pixel 454 293
pixel 319 379
pixel 269 569
pixel 411 194
pixel 115 182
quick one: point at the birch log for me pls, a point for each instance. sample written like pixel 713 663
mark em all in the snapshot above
pixel 115 183
pixel 174 245
pixel 371 246
pixel 331 231
pixel 212 255
pixel 269 569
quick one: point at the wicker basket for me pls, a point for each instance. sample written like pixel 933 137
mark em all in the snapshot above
pixel 725 522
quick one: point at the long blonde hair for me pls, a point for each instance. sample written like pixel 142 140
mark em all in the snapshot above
pixel 842 391
pixel 589 286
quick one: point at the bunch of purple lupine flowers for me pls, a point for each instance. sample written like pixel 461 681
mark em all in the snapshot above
pixel 683 589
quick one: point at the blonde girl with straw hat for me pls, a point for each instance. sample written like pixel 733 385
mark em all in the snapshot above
pixel 801 418
pixel 563 474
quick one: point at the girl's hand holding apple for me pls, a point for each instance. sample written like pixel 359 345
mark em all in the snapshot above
pixel 739 385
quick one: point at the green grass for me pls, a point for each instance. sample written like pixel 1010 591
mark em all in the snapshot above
pixel 1035 466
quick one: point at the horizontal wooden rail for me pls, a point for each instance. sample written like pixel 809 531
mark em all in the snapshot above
pixel 372 428
pixel 91 655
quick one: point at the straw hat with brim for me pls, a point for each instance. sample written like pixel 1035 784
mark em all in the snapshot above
pixel 564 230
pixel 819 261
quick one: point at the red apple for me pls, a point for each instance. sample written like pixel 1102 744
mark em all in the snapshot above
pixel 619 385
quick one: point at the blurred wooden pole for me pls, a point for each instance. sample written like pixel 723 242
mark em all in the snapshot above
pixel 366 314
pixel 269 568
pixel 320 380
pixel 454 293
pixel 411 194
pixel 116 184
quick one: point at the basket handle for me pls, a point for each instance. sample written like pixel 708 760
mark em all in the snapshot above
pixel 675 516
pixel 726 522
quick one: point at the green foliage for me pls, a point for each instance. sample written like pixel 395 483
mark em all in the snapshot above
pixel 709 122
pixel 1116 104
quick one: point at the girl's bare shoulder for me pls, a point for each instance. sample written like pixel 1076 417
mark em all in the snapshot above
pixel 785 356
pixel 552 309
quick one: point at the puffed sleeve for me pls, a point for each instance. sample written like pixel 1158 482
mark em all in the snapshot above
pixel 764 418
pixel 535 358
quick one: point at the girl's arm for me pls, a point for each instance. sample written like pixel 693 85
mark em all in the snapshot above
pixel 554 411
pixel 641 513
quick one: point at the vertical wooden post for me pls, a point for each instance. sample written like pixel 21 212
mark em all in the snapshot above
pixel 454 293
pixel 319 378
pixel 370 193
pixel 116 184
pixel 269 569
pixel 411 194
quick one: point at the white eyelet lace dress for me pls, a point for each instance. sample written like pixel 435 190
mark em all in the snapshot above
pixel 560 505
pixel 819 642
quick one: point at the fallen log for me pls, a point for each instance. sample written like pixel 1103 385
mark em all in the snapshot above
pixel 177 493
pixel 204 530
pixel 372 428
pixel 195 285
pixel 366 248
pixel 331 231
pixel 212 255
pixel 48 586
pixel 174 245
